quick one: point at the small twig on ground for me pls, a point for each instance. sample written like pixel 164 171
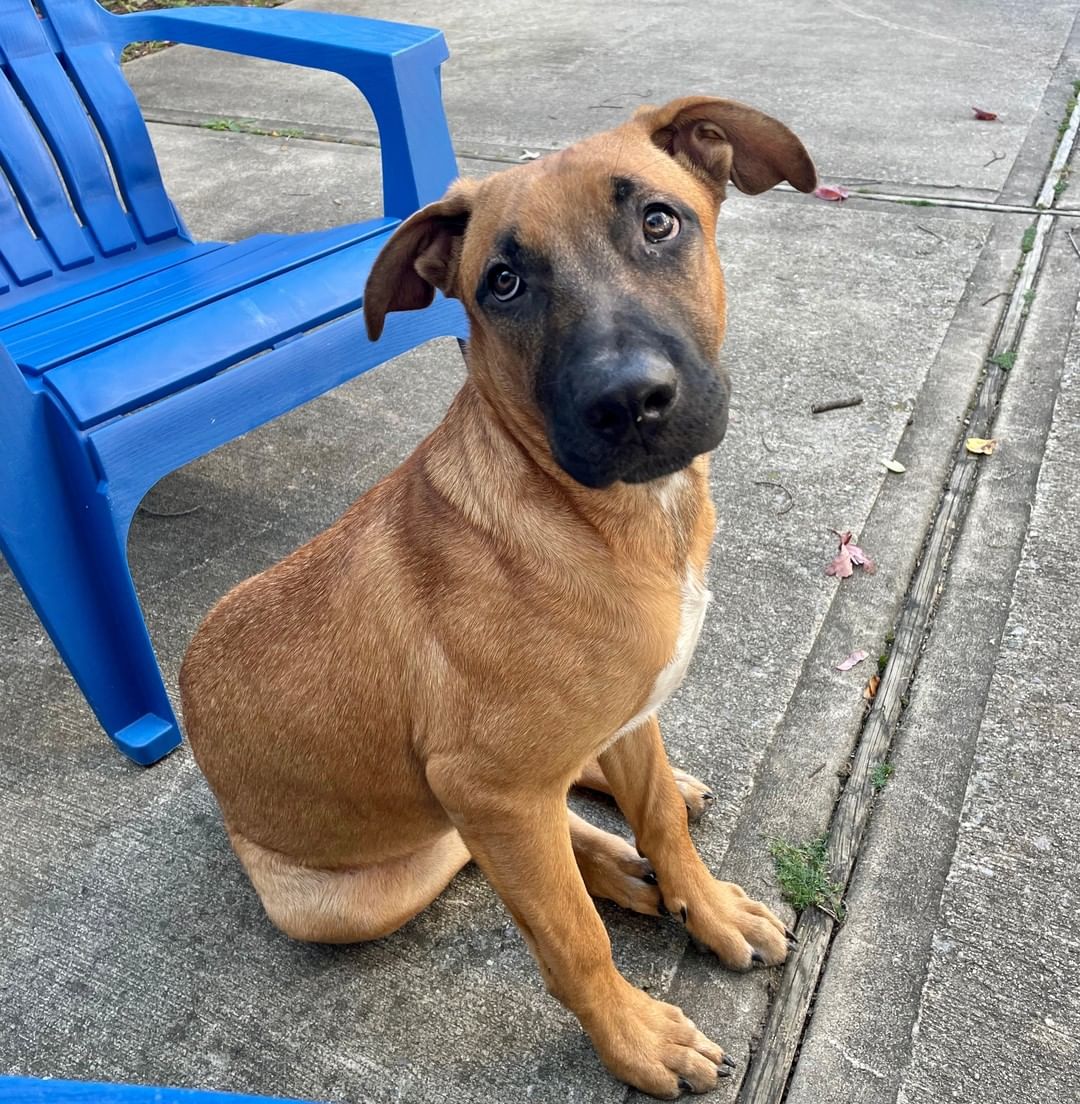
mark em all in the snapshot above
pixel 993 297
pixel 932 233
pixel 169 513
pixel 828 911
pixel 779 486
pixel 997 157
pixel 835 404
pixel 1072 241
pixel 765 444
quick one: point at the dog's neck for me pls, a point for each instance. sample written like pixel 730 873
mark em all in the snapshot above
pixel 500 473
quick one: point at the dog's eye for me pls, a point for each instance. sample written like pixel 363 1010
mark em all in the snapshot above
pixel 659 223
pixel 505 284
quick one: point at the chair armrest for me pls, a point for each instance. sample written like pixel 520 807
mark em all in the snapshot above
pixel 317 40
pixel 394 65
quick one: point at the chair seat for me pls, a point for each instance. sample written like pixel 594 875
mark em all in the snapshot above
pixel 131 343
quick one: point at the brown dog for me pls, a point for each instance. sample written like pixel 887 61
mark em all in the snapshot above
pixel 503 614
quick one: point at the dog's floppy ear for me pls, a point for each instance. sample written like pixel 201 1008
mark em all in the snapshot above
pixel 421 255
pixel 722 139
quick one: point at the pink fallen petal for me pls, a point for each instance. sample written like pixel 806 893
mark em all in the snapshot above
pixel 832 192
pixel 986 116
pixel 855 657
pixel 861 559
pixel 840 565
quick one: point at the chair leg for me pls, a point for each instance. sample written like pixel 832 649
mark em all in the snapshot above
pixel 68 553
pixel 418 162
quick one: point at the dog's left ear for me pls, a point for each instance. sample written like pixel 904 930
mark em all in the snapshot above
pixel 421 255
pixel 722 139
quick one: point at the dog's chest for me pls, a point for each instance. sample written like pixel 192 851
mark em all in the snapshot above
pixel 695 600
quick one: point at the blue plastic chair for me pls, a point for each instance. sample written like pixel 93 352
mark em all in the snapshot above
pixel 29 1090
pixel 127 349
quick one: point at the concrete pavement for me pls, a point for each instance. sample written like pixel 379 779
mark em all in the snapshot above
pixel 134 948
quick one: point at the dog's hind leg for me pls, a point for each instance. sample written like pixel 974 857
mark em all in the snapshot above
pixel 695 793
pixel 612 869
pixel 357 904
pixel 354 904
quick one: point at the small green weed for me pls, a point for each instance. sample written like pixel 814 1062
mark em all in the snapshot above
pixel 803 873
pixel 1005 360
pixel 238 126
pixel 880 775
pixel 915 202
pixel 1027 242
pixel 1070 106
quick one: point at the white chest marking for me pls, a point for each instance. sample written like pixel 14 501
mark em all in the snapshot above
pixel 669 490
pixel 695 599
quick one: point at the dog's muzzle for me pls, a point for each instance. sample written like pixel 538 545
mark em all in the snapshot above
pixel 633 416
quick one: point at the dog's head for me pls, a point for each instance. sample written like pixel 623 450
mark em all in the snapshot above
pixel 592 283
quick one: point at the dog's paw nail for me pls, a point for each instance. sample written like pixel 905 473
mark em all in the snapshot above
pixel 649 879
pixel 708 795
pixel 791 936
pixel 723 1071
pixel 729 1061
pixel 683 913
pixel 684 1085
pixel 755 956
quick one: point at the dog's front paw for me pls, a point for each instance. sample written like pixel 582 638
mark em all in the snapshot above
pixel 737 929
pixel 653 1046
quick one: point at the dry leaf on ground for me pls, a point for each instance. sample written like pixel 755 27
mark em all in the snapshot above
pixel 855 657
pixel 985 116
pixel 981 446
pixel 848 558
pixel 871 688
pixel 894 466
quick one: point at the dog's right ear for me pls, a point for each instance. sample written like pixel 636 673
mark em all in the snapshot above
pixel 421 255
pixel 721 139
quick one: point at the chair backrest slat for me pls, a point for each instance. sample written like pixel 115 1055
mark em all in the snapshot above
pixel 32 175
pixel 78 175
pixel 93 69
pixel 48 94
pixel 20 251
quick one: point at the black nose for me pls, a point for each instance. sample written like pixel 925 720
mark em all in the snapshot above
pixel 636 403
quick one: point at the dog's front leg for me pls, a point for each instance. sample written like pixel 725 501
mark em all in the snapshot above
pixel 719 914
pixel 521 840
